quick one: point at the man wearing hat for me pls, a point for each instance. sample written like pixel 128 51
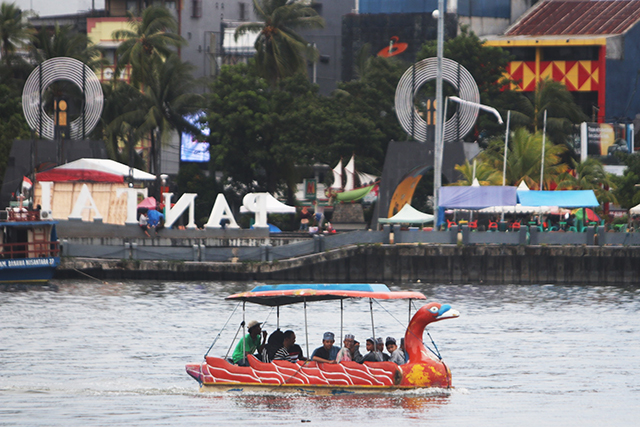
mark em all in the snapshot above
pixel 380 348
pixel 396 355
pixel 249 343
pixel 328 352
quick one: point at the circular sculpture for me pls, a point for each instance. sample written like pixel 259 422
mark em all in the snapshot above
pixel 426 70
pixel 52 70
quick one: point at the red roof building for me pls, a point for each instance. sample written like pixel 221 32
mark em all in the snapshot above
pixel 590 46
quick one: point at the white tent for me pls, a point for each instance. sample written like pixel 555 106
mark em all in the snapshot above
pixel 519 209
pixel 273 206
pixel 408 215
pixel 93 170
pixel 635 210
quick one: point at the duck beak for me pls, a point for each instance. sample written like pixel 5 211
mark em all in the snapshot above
pixel 446 312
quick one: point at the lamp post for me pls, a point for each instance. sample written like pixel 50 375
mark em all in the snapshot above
pixel 439 134
pixel 544 133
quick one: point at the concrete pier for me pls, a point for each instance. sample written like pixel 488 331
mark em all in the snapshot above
pixel 429 263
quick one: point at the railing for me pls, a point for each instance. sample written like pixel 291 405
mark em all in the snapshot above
pixel 22 215
pixel 22 250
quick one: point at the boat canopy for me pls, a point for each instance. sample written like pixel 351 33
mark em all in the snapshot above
pixel 277 295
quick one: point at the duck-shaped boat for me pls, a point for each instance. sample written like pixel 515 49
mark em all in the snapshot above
pixel 424 368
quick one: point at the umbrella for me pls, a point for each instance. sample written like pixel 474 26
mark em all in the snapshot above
pixel 591 215
pixel 149 203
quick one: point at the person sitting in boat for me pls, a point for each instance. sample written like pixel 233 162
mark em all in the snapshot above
pixel 274 343
pixel 295 353
pixel 249 343
pixel 380 348
pixel 373 354
pixel 396 355
pixel 328 352
pixel 406 355
pixel 351 350
pixel 287 343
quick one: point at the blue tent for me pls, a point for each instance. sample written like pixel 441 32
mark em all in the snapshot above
pixel 477 197
pixel 560 198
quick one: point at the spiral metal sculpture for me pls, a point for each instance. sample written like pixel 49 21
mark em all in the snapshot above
pixel 426 70
pixel 42 77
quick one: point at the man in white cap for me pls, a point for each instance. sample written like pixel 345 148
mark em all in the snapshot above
pixel 351 350
pixel 249 343
pixel 380 349
pixel 328 352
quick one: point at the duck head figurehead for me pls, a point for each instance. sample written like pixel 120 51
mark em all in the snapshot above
pixel 425 368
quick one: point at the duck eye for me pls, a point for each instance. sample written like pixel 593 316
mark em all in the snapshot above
pixel 434 309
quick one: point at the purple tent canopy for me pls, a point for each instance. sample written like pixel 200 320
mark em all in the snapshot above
pixel 475 197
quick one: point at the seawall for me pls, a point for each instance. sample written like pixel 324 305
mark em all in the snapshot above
pixel 430 263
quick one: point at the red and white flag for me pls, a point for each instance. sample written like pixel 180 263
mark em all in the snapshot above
pixel 26 184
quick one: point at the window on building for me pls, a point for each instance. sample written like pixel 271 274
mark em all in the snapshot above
pixel 522 53
pixel 242 11
pixel 132 6
pixel 317 7
pixel 196 10
pixel 570 53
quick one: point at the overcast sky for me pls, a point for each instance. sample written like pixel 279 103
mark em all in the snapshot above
pixel 56 7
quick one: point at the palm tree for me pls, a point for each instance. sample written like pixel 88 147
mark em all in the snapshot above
pixel 524 158
pixel 280 51
pixel 589 175
pixel 161 108
pixel 562 111
pixel 485 174
pixel 14 30
pixel 152 38
pixel 63 42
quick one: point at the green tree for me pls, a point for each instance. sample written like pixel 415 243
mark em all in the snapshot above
pixel 14 30
pixel 485 174
pixel 589 175
pixel 562 111
pixel 64 42
pixel 280 51
pixel 152 38
pixel 524 155
pixel 626 192
pixel 161 108
pixel 12 126
pixel 245 119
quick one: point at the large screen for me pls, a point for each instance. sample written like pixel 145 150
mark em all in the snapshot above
pixel 191 148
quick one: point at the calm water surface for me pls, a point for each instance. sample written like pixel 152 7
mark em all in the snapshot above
pixel 94 354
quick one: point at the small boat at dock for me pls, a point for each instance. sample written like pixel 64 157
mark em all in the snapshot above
pixel 425 367
pixel 29 248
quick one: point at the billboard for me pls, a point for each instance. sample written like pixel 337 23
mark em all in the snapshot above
pixel 603 139
pixel 192 149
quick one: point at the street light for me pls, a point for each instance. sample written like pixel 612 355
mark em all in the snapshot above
pixel 439 134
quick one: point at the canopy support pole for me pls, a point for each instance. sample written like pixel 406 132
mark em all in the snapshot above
pixel 341 319
pixel 278 317
pixel 244 342
pixel 409 311
pixel 306 328
pixel 373 329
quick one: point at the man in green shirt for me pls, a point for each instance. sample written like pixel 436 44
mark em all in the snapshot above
pixel 249 343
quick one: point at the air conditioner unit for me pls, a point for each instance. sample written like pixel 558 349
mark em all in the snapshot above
pixel 46 215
